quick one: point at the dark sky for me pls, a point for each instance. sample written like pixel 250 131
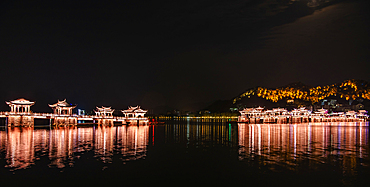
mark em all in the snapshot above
pixel 175 54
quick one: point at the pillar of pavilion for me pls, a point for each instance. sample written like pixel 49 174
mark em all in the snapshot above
pixel 20 106
pixel 62 108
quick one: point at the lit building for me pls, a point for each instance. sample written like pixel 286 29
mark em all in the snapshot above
pixel 301 115
pixel 301 112
pixel 20 106
pixel 104 112
pixel 81 112
pixel 251 112
pixel 351 114
pixel 362 114
pixel 62 108
pixel 134 112
pixel 321 112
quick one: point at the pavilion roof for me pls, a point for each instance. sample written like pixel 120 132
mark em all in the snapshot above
pixel 246 110
pixel 136 109
pixel 21 101
pixel 351 112
pixel 62 104
pixel 106 109
pixel 279 109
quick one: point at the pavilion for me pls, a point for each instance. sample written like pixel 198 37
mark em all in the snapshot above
pixel 134 112
pixel 20 106
pixel 104 112
pixel 62 108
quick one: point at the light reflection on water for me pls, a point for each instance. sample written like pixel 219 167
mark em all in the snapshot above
pixel 287 145
pixel 279 146
pixel 21 146
pixel 202 134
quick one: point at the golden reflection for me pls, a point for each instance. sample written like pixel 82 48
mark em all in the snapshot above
pixel 286 143
pixel 61 145
pixel 134 141
pixel 23 145
pixel 104 136
pixel 19 148
pixel 203 134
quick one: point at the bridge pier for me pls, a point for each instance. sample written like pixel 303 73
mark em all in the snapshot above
pixel 64 120
pixel 103 121
pixel 19 120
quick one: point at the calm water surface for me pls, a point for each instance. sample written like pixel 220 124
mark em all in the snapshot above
pixel 187 153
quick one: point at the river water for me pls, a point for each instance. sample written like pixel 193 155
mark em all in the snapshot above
pixel 187 153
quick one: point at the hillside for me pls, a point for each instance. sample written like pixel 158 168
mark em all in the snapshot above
pixel 349 89
pixel 348 92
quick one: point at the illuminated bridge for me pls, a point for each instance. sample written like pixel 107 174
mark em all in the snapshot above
pixel 21 115
pixel 301 115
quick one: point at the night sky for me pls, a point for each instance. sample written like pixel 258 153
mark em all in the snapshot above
pixel 175 54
